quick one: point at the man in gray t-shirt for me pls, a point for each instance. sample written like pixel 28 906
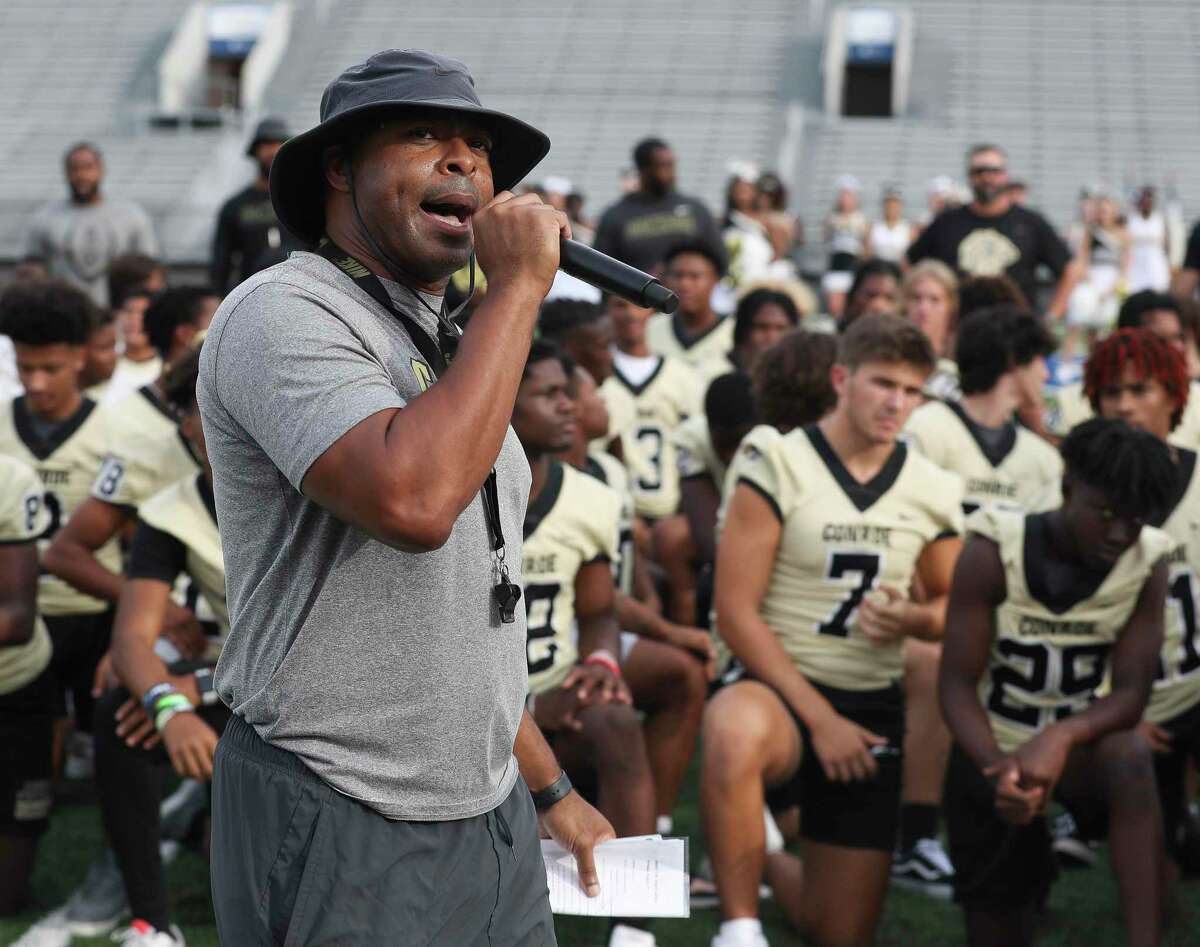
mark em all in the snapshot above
pixel 79 237
pixel 371 500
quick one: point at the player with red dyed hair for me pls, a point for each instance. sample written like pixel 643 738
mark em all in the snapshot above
pixel 1142 379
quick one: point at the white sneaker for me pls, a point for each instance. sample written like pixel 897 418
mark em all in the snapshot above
pixel 925 868
pixel 141 934
pixel 739 934
pixel 50 931
pixel 625 936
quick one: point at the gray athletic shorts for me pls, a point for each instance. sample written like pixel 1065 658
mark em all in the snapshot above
pixel 294 863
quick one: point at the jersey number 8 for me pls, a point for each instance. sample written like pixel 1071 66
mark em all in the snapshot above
pixel 540 646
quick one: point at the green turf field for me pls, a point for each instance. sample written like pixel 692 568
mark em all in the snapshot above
pixel 1083 913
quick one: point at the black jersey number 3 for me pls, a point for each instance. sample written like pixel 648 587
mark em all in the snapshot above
pixel 866 565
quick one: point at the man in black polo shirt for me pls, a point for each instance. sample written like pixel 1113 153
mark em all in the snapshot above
pixel 993 236
pixel 248 236
pixel 642 226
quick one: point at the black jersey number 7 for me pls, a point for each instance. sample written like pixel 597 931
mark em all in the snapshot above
pixel 866 566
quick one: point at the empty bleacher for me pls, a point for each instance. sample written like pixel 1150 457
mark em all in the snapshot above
pixel 1077 91
pixel 595 76
pixel 84 71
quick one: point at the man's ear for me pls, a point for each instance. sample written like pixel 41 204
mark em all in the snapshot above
pixel 334 159
pixel 839 374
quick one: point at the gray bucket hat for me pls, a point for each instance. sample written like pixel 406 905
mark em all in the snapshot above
pixel 271 128
pixel 389 81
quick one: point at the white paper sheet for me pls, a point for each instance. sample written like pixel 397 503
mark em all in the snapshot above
pixel 645 876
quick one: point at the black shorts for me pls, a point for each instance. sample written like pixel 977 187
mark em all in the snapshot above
pixel 26 741
pixel 857 814
pixel 1170 770
pixel 997 865
pixel 79 643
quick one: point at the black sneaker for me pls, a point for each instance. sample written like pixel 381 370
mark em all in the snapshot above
pixel 924 868
pixel 1071 848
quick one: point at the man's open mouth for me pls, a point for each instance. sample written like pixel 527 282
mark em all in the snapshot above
pixel 453 210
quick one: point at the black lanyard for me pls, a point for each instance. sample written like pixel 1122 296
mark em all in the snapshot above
pixel 438 355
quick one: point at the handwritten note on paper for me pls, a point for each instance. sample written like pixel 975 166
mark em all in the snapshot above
pixel 639 877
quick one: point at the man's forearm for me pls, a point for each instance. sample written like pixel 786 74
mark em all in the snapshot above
pixel 470 406
pixel 639 618
pixel 967 720
pixel 536 761
pixel 1120 710
pixel 77 565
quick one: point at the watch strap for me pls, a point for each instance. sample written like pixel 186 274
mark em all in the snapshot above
pixel 543 799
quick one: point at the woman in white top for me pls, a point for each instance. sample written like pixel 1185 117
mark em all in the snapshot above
pixel 1103 256
pixel 1148 265
pixel 889 238
pixel 845 231
pixel 742 229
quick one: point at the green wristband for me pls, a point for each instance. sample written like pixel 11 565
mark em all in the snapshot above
pixel 167 707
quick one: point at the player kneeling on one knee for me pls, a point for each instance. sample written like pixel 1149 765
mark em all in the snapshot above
pixel 1044 608
pixel 571 542
pixel 826 528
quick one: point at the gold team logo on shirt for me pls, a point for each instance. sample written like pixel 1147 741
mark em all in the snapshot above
pixel 987 253
pixel 422 373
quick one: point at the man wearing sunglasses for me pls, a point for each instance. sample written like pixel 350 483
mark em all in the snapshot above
pixel 994 236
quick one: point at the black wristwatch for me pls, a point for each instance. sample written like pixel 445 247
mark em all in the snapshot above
pixel 206 687
pixel 543 799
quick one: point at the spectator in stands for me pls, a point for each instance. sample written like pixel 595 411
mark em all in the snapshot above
pixel 1188 277
pixel 134 274
pixel 31 269
pixel 845 230
pixel 101 355
pixel 1103 258
pixel 1018 193
pixel 144 357
pixel 582 228
pixel 642 226
pixel 1189 313
pixel 554 191
pixel 80 236
pixel 745 235
pixel 888 238
pixel 876 289
pixel 929 298
pixel 785 229
pixel 992 237
pixel 249 237
pixel 1148 267
pixel 941 195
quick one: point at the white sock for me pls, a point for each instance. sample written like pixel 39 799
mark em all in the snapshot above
pixel 774 836
pixel 744 929
pixel 663 825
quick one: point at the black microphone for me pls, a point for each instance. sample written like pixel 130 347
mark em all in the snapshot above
pixel 612 276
